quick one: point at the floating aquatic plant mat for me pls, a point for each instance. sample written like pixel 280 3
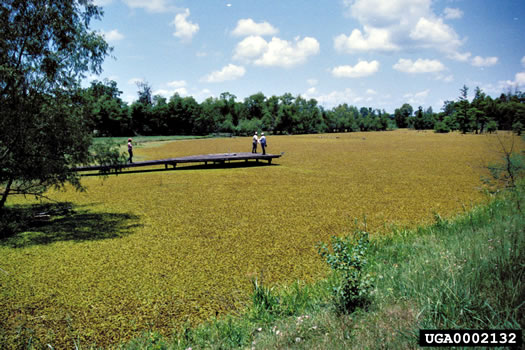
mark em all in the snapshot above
pixel 156 250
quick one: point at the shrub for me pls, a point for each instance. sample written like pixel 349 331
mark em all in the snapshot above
pixel 441 127
pixel 492 126
pixel 349 261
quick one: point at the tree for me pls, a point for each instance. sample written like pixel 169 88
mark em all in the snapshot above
pixel 402 114
pixel 105 109
pixel 45 48
pixel 462 115
pixel 144 92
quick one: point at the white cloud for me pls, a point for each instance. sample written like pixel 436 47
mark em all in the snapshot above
pixel 419 66
pixel 277 52
pixel 398 25
pixel 112 35
pixel 184 29
pixel 246 27
pixel 381 13
pixel 432 32
pixel 177 83
pixel 462 57
pixel 312 82
pixel 150 5
pixel 479 61
pixel 452 13
pixel 230 72
pixel 374 39
pixel 371 92
pixel 250 47
pixel 361 69
pixel 286 54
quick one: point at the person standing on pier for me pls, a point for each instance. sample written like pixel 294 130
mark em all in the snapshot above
pixel 130 150
pixel 262 141
pixel 254 143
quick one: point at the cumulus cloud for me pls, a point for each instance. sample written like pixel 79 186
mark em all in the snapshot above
pixel 361 69
pixel 419 66
pixel 247 27
pixel 277 52
pixel 373 39
pixel 184 29
pixel 398 25
pixel 113 35
pixel 150 5
pixel 432 32
pixel 380 13
pixel 479 61
pixel 250 47
pixel 452 13
pixel 230 72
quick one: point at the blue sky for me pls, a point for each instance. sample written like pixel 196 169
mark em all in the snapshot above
pixel 367 53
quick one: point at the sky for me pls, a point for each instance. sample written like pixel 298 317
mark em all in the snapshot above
pixel 366 53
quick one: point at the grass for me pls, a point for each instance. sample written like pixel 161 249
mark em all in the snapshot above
pixel 182 247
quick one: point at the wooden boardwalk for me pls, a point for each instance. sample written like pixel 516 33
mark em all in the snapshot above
pixel 219 158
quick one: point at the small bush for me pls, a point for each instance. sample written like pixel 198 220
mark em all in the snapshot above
pixel 441 127
pixel 349 261
pixel 492 126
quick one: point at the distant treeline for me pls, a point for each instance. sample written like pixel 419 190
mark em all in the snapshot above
pixel 286 114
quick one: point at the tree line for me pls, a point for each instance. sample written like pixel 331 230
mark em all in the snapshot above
pixel 151 114
pixel 482 114
pixel 157 115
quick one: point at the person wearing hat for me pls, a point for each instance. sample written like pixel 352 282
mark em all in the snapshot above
pixel 130 150
pixel 262 141
pixel 254 143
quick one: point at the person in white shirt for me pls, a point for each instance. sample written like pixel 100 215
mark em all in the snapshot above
pixel 262 141
pixel 254 143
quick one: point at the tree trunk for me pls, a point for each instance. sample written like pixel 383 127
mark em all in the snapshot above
pixel 5 194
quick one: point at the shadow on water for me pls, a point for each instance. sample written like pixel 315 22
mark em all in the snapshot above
pixel 232 165
pixel 40 224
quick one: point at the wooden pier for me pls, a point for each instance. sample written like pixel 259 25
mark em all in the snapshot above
pixel 219 158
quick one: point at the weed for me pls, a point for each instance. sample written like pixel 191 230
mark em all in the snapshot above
pixel 349 261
